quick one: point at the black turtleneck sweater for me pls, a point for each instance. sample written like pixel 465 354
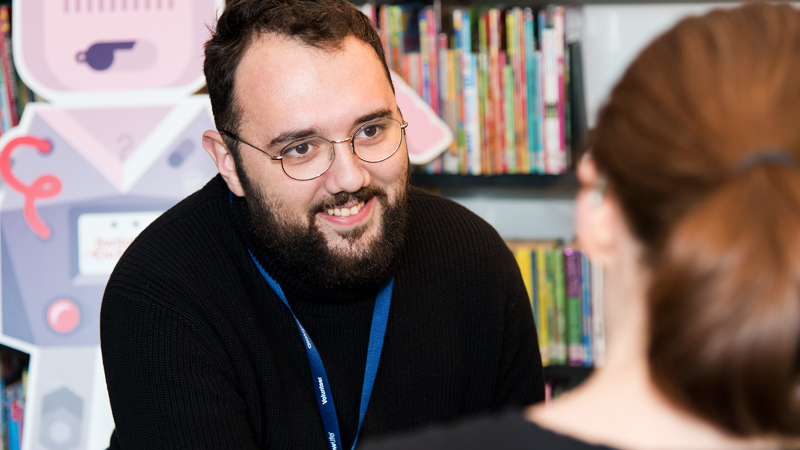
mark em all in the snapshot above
pixel 200 353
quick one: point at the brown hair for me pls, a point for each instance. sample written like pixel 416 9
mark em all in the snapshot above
pixel 721 236
pixel 317 23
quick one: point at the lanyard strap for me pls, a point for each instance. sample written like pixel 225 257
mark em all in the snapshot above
pixel 319 379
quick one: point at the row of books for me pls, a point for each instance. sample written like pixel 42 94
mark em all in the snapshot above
pixel 13 400
pixel 566 295
pixel 506 80
pixel 13 382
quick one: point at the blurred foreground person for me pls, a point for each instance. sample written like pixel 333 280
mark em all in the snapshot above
pixel 691 201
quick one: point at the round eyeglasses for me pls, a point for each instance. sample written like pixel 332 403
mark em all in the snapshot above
pixel 308 158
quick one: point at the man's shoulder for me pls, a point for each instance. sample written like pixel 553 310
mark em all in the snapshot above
pixel 432 209
pixel 437 220
pixel 195 214
pixel 181 236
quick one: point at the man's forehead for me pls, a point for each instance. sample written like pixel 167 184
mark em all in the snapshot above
pixel 296 86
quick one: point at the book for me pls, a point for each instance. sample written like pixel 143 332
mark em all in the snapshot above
pixel 577 104
pixel 598 327
pixel 586 304
pixel 574 311
pixel 523 257
pixel 545 300
pixel 558 352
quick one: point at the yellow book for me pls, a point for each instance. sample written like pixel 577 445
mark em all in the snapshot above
pixel 543 285
pixel 523 257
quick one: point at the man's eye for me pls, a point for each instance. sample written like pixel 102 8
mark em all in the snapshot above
pixel 371 130
pixel 298 150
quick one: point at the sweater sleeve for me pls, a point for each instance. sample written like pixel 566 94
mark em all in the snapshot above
pixel 521 377
pixel 167 389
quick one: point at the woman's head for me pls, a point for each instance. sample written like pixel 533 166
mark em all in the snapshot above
pixel 700 143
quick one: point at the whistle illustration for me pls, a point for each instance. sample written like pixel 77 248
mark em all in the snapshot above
pixel 100 56
pixel 43 187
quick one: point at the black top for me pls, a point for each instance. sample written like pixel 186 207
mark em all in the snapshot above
pixel 199 352
pixel 508 431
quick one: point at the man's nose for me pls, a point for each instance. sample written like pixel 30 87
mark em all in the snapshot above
pixel 347 173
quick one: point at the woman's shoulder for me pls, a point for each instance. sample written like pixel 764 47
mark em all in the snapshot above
pixel 508 430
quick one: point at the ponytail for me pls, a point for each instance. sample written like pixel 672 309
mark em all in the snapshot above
pixel 724 312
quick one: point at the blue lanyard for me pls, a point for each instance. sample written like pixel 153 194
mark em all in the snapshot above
pixel 380 316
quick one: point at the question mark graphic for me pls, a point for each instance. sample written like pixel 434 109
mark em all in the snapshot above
pixel 43 187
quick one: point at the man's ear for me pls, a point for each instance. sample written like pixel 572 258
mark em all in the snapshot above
pixel 597 215
pixel 223 159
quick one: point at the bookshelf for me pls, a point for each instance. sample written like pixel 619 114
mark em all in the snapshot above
pixel 566 182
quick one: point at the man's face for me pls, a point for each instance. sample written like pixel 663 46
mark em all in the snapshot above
pixel 287 90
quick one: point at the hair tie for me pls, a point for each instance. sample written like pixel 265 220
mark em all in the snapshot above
pixel 780 157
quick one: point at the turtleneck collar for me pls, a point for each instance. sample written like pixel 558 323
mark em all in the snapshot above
pixel 294 286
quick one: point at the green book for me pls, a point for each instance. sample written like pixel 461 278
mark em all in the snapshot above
pixel 560 332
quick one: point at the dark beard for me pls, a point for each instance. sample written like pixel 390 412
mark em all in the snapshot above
pixel 304 250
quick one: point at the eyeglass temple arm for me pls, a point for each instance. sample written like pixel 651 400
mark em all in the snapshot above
pixel 236 138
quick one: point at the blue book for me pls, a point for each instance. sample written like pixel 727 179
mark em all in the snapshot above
pixel 532 77
pixel 586 283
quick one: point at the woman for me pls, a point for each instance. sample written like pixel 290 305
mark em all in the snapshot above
pixel 690 199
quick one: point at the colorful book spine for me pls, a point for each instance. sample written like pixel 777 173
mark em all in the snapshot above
pixel 586 303
pixel 433 57
pixel 384 21
pixel 531 75
pixel 496 91
pixel 8 66
pixel 514 19
pixel 484 111
pixel 560 332
pixel 469 68
pixel 544 304
pixel 598 326
pixel 425 57
pixel 574 296
pixel 523 257
pixel 558 42
pixel 534 288
pixel 510 131
pixel 553 333
pixel 455 159
pixel 396 37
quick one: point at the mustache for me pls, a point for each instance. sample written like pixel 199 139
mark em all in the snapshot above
pixel 361 195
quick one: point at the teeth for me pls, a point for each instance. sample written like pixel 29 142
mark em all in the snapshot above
pixel 344 212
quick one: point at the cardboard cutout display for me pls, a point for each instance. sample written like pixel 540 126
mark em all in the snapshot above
pixel 117 145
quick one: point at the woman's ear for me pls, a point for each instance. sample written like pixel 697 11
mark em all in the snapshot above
pixel 597 214
pixel 223 159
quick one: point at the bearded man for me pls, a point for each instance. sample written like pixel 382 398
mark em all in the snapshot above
pixel 307 297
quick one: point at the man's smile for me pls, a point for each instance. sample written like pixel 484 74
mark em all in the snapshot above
pixel 349 214
pixel 345 210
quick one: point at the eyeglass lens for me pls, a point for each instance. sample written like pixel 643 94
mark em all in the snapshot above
pixel 373 142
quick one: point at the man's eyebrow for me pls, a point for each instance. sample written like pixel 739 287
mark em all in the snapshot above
pixel 379 114
pixel 289 136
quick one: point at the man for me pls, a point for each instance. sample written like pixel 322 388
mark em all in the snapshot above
pixel 307 297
